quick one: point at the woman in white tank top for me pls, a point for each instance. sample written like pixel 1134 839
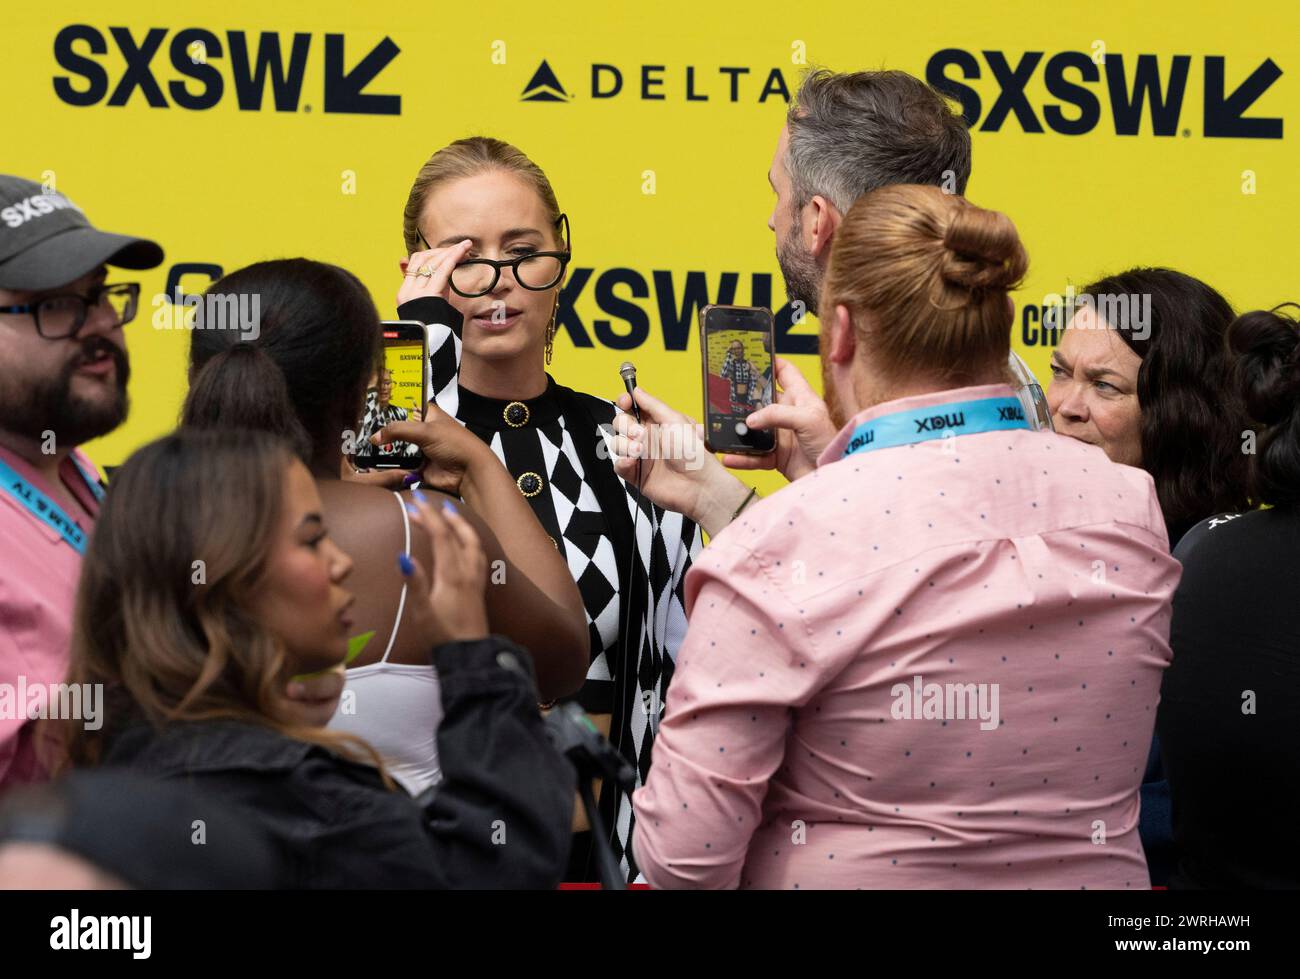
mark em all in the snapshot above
pixel 396 707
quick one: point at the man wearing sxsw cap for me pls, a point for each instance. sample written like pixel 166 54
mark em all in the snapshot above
pixel 63 375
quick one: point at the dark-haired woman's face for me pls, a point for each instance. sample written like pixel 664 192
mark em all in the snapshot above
pixel 300 598
pixel 385 387
pixel 505 218
pixel 1093 394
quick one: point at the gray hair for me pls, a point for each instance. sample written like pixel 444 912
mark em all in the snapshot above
pixel 852 133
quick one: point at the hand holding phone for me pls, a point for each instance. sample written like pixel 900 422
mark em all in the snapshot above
pixel 799 419
pixel 450 451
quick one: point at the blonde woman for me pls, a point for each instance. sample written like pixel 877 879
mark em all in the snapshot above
pixel 488 249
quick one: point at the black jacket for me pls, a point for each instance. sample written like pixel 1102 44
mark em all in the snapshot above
pixel 500 817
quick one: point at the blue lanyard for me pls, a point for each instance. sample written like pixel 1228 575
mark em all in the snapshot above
pixel 46 510
pixel 936 422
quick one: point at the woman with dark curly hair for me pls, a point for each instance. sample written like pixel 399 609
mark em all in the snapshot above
pixel 1144 372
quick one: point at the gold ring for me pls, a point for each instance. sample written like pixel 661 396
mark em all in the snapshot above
pixel 426 272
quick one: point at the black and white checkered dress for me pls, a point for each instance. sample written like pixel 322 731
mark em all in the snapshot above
pixel 376 418
pixel 622 551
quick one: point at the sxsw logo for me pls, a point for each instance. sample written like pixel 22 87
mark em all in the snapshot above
pixel 648 83
pixel 255 61
pixel 1074 79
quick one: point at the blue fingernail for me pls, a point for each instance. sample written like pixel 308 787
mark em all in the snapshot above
pixel 404 563
pixel 411 479
pixel 411 510
pixel 419 496
pixel 448 507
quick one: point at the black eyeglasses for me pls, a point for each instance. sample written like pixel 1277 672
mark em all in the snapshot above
pixel 537 271
pixel 59 317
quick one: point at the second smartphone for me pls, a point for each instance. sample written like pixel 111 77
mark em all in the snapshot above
pixel 396 393
pixel 736 344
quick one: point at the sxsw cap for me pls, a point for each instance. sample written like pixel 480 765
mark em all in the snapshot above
pixel 46 241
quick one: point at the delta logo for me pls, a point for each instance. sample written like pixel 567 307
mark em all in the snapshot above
pixel 544 86
pixel 655 83
pixel 254 63
pixel 1146 89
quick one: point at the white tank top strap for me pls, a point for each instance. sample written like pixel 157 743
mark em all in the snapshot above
pixel 401 601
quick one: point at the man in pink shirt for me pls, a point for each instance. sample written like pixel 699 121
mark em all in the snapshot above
pixel 63 376
pixel 935 660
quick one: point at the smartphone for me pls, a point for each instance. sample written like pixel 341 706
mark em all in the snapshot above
pixel 736 344
pixel 396 392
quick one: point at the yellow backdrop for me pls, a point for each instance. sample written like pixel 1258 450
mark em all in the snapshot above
pixel 406 362
pixel 657 133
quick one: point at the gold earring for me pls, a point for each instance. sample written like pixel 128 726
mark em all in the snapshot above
pixel 551 329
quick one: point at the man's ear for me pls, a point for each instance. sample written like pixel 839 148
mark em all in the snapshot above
pixel 844 341
pixel 825 219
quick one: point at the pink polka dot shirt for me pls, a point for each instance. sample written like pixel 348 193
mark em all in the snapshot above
pixel 927 666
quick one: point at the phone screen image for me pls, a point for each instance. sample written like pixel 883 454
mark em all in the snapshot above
pixel 737 346
pixel 395 393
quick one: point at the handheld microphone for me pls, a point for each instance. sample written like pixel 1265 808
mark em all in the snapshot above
pixel 628 373
pixel 1031 396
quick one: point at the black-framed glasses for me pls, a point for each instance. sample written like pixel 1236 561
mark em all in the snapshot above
pixel 537 271
pixel 59 317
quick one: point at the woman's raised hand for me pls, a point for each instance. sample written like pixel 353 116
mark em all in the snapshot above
pixel 437 263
